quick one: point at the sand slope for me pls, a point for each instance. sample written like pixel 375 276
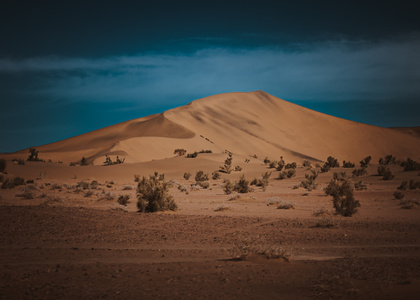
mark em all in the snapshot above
pixel 243 123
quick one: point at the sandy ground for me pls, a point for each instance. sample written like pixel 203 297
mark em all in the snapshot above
pixel 69 243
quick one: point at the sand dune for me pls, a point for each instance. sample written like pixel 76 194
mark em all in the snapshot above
pixel 243 123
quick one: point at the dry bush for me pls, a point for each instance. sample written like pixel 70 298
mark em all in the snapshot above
pixel 287 174
pixel 388 160
pixel 340 176
pixel 306 163
pixel 263 181
pixel 88 194
pixel 309 181
pixel 242 185
pixel 153 195
pixel 180 152
pixel 330 163
pixel 123 199
pixel 347 164
pixel 398 195
pixel 291 165
pixel 285 205
pixel 228 187
pixel 322 212
pixel 410 165
pixel 215 175
pixel 385 172
pixel 128 187
pixel 359 172
pixel 409 204
pixel 227 167
pixel 360 186
pixel 187 175
pixel 3 165
pixel 343 198
pixel 83 185
pixel 238 169
pixel 203 184
pixel 324 223
pixel 10 183
pixel 201 176
pixel 223 207
pixel 272 201
pixel 365 162
pixel 267 161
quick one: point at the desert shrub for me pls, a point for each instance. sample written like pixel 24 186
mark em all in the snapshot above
pixel 201 176
pixel 306 163
pixel 343 198
pixel 412 185
pixel 360 186
pixel 3 165
pixel 285 205
pixel 84 161
pixel 330 163
pixel 280 164
pixel 388 160
pixel 94 184
pixel 56 186
pixel 192 155
pixel 108 161
pixel 33 155
pixel 238 169
pixel 228 187
pixel 267 161
pixel 1 177
pixel 273 164
pixel 410 165
pixel 340 176
pixel 408 204
pixel 153 195
pixel 262 182
pixel 227 167
pixel 292 165
pixel 347 164
pixel 136 178
pixel 10 183
pixel 123 199
pixel 359 172
pixel 73 164
pixel 18 161
pixel 287 174
pixel 403 186
pixel 398 195
pixel 309 181
pixel 180 152
pixel 187 175
pixel 88 193
pixel 242 186
pixel 365 162
pixel 83 185
pixel 204 184
pixel 385 172
pixel 215 175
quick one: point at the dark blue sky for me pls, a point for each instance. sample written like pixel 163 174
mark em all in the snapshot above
pixel 69 67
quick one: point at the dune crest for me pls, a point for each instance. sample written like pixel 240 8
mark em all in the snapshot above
pixel 243 123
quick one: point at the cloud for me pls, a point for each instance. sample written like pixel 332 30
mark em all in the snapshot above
pixel 328 71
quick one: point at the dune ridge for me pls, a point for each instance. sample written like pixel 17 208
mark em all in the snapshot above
pixel 243 123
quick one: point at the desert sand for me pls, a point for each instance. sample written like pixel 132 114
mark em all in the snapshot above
pixel 60 241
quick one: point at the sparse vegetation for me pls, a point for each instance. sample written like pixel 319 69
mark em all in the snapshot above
pixel 306 163
pixel 360 186
pixel 223 207
pixel 108 161
pixel 385 172
pixel 343 198
pixel 33 155
pixel 340 176
pixel 364 163
pixel 180 152
pixel 287 174
pixel 288 166
pixel 84 161
pixel 285 205
pixel 215 175
pixel 263 181
pixel 359 172
pixel 227 167
pixel 18 161
pixel 123 199
pixel 153 195
pixel 187 175
pixel 330 163
pixel 242 186
pixel 3 165
pixel 266 161
pixel 200 176
pixel 309 181
pixel 228 187
pixel 347 164
pixel 388 160
pixel 195 154
pixel 237 169
pixel 10 183
pixel 410 165
pixel 398 195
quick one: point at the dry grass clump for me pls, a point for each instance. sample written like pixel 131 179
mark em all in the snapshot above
pixel 123 199
pixel 272 201
pixel 322 212
pixel 285 205
pixel 223 207
pixel 153 195
pixel 10 183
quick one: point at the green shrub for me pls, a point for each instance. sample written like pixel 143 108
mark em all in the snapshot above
pixel 187 175
pixel 347 164
pixel 153 195
pixel 10 183
pixel 123 199
pixel 3 165
pixel 201 176
pixel 343 198
pixel 385 172
pixel 365 162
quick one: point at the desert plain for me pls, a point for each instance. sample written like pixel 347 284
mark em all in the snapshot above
pixel 65 234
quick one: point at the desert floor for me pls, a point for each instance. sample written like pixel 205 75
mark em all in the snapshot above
pixel 67 242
